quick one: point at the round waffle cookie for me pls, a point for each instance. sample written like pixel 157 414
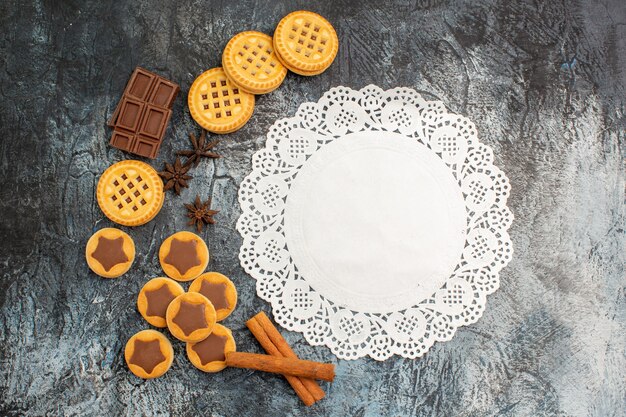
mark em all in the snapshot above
pixel 305 42
pixel 250 62
pixel 217 104
pixel 130 193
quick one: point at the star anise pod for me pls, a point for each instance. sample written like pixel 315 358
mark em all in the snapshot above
pixel 200 213
pixel 175 176
pixel 200 149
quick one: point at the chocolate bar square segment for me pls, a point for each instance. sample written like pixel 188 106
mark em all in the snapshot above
pixel 130 114
pixel 145 146
pixel 164 93
pixel 122 140
pixel 154 122
pixel 140 84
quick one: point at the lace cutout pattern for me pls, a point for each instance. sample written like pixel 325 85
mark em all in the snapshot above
pixel 349 334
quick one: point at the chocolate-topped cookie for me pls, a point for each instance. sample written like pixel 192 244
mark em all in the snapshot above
pixel 183 256
pixel 110 252
pixel 219 290
pixel 148 354
pixel 154 298
pixel 190 317
pixel 209 355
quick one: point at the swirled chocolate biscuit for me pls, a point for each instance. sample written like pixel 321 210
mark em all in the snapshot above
pixel 219 290
pixel 184 256
pixel 154 298
pixel 190 317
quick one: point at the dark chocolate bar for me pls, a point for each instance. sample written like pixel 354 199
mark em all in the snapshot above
pixel 143 113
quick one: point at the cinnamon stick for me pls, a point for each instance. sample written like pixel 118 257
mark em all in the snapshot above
pixel 296 383
pixel 286 366
pixel 285 350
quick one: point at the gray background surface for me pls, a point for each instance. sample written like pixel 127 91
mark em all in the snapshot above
pixel 544 81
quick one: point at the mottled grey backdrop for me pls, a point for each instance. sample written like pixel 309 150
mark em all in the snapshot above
pixel 544 81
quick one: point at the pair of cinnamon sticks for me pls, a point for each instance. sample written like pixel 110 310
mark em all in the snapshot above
pixel 300 374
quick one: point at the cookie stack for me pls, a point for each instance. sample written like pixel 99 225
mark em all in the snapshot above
pixel 221 100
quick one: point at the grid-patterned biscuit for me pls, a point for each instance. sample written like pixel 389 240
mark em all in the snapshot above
pixel 305 42
pixel 299 71
pixel 130 193
pixel 217 104
pixel 250 62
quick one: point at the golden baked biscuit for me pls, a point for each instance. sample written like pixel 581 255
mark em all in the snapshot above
pixel 220 291
pixel 217 104
pixel 110 252
pixel 250 62
pixel 149 354
pixel 305 42
pixel 154 298
pixel 184 256
pixel 209 355
pixel 299 71
pixel 130 193
pixel 190 317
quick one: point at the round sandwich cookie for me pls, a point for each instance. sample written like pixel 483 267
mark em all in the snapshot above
pixel 305 42
pixel 209 355
pixel 190 317
pixel 217 104
pixel 184 256
pixel 149 354
pixel 220 291
pixel 130 193
pixel 110 252
pixel 250 62
pixel 154 298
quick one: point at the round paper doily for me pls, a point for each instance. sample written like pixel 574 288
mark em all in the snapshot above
pixel 374 222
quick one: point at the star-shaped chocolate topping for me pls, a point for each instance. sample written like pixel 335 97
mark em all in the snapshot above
pixel 216 293
pixel 183 255
pixel 190 317
pixel 147 354
pixel 211 349
pixel 110 252
pixel 159 300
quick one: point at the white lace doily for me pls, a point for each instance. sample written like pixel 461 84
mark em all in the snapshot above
pixel 374 222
